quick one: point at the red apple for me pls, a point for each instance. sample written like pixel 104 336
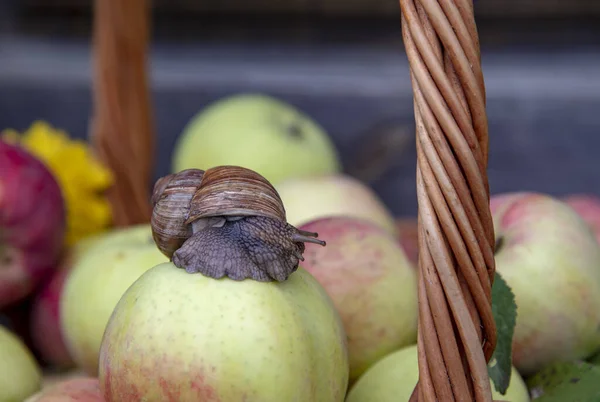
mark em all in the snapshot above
pixel 76 389
pixel 408 235
pixel 551 260
pixel 32 222
pixel 371 282
pixel 588 206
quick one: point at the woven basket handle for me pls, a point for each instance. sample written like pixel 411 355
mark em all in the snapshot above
pixel 456 331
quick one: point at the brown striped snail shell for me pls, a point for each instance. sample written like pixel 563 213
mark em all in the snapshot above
pixel 226 221
pixel 232 191
pixel 171 200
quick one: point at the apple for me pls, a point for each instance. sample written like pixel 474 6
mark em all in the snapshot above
pixel 588 206
pixel 44 316
pixel 31 232
pixel 16 319
pixel 176 336
pixel 20 374
pixel 95 284
pixel 408 236
pixel 258 132
pixel 308 198
pixel 394 377
pixel 53 377
pixel 46 333
pixel 71 390
pixel 550 258
pixel 371 282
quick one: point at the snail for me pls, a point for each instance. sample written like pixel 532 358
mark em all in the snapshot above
pixel 227 221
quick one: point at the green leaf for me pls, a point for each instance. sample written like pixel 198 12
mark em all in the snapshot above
pixel 567 381
pixel 504 309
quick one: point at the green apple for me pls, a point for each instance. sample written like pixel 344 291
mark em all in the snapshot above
pixel 20 375
pixel 550 258
pixel 96 282
pixel 393 379
pixel 309 198
pixel 371 282
pixel 258 132
pixel 188 337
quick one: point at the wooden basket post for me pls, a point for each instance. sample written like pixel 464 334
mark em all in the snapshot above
pixel 456 331
pixel 122 129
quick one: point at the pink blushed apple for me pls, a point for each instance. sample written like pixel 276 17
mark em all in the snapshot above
pixel 53 377
pixel 588 206
pixel 81 389
pixel 408 236
pixel 309 198
pixel 371 282
pixel 179 337
pixel 551 260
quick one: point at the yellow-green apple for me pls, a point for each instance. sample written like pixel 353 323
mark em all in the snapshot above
pixel 394 377
pixel 32 223
pixel 308 198
pixel 258 132
pixel 550 258
pixel 20 374
pixel 71 390
pixel 588 206
pixel 371 282
pixel 408 235
pixel 96 282
pixel 176 336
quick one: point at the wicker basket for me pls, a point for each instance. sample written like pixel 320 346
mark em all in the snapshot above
pixel 457 333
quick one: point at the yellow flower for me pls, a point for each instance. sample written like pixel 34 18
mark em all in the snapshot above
pixel 82 178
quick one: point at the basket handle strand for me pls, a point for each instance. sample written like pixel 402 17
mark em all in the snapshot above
pixel 456 330
pixel 121 131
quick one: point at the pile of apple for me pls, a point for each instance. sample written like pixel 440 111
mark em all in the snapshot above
pixel 111 320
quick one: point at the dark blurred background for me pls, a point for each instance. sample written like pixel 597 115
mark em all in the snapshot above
pixel 343 63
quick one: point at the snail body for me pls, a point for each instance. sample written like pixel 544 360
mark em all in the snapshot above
pixel 227 221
